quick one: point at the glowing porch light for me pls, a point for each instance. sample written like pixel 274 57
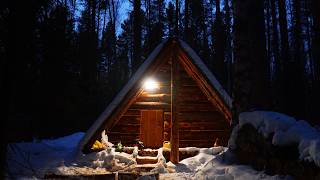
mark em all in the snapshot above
pixel 151 85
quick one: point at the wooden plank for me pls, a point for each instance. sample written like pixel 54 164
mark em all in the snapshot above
pixel 155 95
pixel 201 125
pixel 129 128
pixel 163 76
pixel 192 97
pixel 151 105
pixel 129 120
pixel 118 133
pixel 175 77
pixel 203 84
pixel 209 116
pixel 196 107
pixel 132 112
pixel 165 99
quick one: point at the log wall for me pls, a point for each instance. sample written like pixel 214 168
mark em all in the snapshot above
pixel 200 121
pixel 127 130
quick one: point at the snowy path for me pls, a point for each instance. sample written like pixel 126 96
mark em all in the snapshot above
pixel 34 159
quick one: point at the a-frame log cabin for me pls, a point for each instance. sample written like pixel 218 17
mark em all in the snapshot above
pixel 187 105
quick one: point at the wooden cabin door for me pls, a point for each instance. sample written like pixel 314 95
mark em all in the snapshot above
pixel 151 129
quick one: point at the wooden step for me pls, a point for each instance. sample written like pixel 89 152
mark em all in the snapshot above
pixel 148 152
pixel 145 167
pixel 146 160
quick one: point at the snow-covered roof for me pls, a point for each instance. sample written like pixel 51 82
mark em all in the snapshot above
pixel 139 74
pixel 204 69
pixel 121 95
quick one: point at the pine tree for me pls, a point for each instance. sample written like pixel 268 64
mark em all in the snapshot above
pixel 251 67
pixel 296 67
pixel 177 18
pixel 137 34
pixel 228 49
pixel 219 45
pixel 276 53
pixel 124 48
pixel 186 33
pixel 170 19
pixel 315 6
pixel 155 24
pixel 88 44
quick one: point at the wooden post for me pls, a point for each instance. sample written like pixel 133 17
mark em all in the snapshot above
pixel 174 141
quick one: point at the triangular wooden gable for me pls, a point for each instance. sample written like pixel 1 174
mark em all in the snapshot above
pixel 190 63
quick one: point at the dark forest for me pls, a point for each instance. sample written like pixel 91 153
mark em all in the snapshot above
pixel 63 61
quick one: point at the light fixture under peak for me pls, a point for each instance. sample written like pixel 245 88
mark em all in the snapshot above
pixel 150 85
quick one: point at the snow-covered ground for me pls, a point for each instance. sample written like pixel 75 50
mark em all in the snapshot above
pixel 286 130
pixel 33 159
pixel 59 156
pixel 214 163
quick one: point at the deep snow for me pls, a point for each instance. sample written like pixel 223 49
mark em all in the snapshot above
pixel 287 131
pixel 59 156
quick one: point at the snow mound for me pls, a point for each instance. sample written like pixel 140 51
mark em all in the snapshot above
pixel 109 160
pixel 220 171
pixel 286 130
pixel 214 163
pixel 67 142
pixel 33 159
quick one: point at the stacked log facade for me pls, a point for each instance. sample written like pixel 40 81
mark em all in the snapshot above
pixel 201 122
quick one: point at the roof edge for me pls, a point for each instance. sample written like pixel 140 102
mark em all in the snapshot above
pixel 210 76
pixel 123 92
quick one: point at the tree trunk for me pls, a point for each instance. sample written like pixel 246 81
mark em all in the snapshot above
pixel 186 20
pixel 175 84
pixel 228 46
pixel 219 44
pixel 136 34
pixel 268 34
pixel 276 54
pixel 316 38
pixel 296 95
pixel 284 53
pixel 315 6
pixel 251 66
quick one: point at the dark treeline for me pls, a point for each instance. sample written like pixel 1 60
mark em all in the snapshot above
pixel 62 61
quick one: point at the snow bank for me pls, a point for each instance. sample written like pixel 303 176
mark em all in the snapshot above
pixel 214 163
pixel 67 142
pixel 218 170
pixel 60 156
pixel 33 159
pixel 287 131
pixel 196 162
pixel 111 161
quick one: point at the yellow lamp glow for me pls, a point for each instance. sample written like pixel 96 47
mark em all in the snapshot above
pixel 150 85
